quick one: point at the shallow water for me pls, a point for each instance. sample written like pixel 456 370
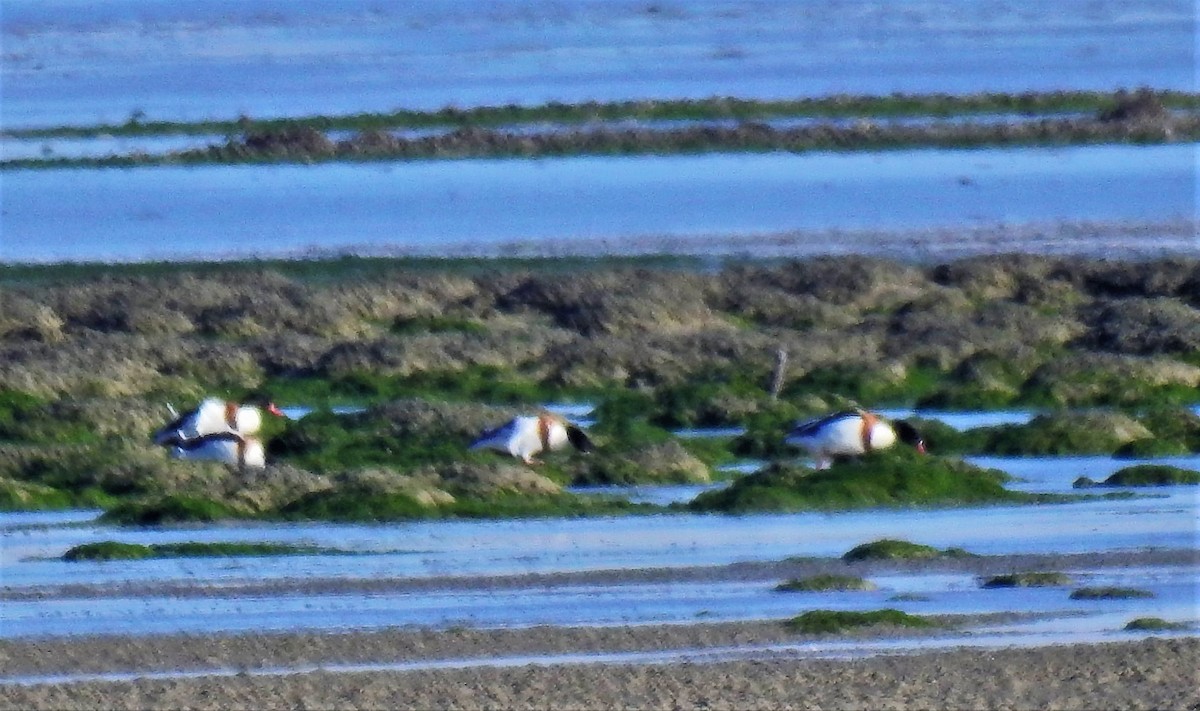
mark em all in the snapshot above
pixel 1161 517
pixel 616 205
pixel 71 62
pixel 1174 598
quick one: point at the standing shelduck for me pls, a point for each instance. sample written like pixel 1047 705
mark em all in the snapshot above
pixel 526 436
pixel 215 416
pixel 850 433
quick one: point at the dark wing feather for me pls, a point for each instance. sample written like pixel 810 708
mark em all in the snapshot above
pixel 188 445
pixel 810 427
pixel 488 434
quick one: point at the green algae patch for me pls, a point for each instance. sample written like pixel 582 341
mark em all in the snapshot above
pixel 1041 579
pixel 1110 593
pixel 893 549
pixel 1153 624
pixel 350 506
pixel 170 509
pixel 884 479
pixel 712 108
pixel 834 621
pixel 1152 475
pixel 114 550
pixel 826 583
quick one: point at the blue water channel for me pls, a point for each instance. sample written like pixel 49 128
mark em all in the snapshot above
pixel 72 62
pixel 611 205
pixel 1165 518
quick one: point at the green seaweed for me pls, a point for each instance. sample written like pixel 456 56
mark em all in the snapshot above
pixel 825 582
pixel 1153 475
pixel 1109 593
pixel 1028 580
pixel 114 550
pixel 893 549
pixel 834 621
pixel 1154 624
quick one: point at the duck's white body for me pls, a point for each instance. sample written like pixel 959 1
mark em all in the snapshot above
pixel 526 436
pixel 843 434
pixel 225 447
pixel 211 416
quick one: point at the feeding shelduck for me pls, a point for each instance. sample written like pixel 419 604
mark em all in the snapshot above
pixel 526 436
pixel 850 433
pixel 213 416
pixel 226 447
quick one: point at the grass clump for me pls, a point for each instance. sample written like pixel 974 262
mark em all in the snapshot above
pixel 1110 593
pixel 1028 580
pixel 1153 624
pixel 27 496
pixel 826 583
pixel 832 621
pixel 114 550
pixel 1152 475
pixel 892 549
pixel 893 478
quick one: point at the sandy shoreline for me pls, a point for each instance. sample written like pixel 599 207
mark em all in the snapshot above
pixel 261 651
pixel 1153 673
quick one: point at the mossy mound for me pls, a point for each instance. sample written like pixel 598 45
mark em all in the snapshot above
pixel 1038 579
pixel 893 478
pixel 1110 593
pixel 1065 433
pixel 833 621
pixel 826 583
pixel 892 549
pixel 665 463
pixel 1154 624
pixel 114 550
pixel 1152 475
pixel 399 435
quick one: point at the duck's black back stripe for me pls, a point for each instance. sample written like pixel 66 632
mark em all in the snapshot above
pixel 813 426
pixel 188 445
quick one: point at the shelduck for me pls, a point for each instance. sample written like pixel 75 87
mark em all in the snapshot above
pixel 526 436
pixel 225 447
pixel 850 433
pixel 213 416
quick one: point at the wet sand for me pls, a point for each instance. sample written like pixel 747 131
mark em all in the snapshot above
pixel 525 668
pixel 1153 673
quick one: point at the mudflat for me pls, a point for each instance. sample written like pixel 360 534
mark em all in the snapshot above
pixel 1151 673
